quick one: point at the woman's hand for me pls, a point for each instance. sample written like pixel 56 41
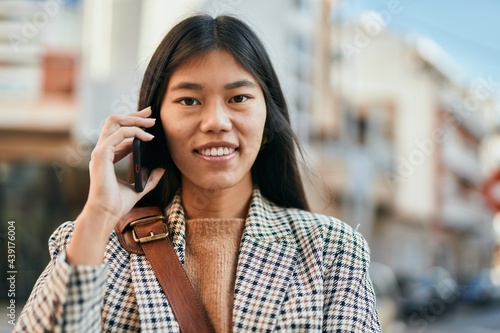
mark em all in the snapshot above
pixel 109 197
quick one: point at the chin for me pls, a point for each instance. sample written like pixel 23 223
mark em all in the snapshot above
pixel 217 183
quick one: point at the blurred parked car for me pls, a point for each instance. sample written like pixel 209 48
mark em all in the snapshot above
pixel 436 285
pixel 416 293
pixel 445 286
pixel 480 289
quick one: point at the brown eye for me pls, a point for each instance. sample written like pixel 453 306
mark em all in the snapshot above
pixel 189 101
pixel 238 99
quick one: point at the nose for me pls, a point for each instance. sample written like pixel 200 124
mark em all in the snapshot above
pixel 215 118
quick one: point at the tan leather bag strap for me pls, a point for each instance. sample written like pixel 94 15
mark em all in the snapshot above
pixel 144 231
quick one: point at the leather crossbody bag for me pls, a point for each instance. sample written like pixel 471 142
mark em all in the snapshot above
pixel 144 231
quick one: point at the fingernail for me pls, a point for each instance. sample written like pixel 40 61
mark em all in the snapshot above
pixel 150 135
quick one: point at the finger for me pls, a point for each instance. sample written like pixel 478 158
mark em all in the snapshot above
pixel 127 184
pixel 154 178
pixel 127 133
pixel 104 153
pixel 132 196
pixel 146 112
pixel 114 122
pixel 123 149
pixel 129 118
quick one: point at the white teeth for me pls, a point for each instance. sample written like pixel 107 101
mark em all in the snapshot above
pixel 216 151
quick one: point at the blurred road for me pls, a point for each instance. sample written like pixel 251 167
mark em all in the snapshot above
pixel 479 319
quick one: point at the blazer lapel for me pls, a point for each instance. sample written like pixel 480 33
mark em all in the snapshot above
pixel 265 268
pixel 177 226
pixel 154 309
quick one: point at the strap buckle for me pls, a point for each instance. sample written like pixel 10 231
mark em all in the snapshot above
pixel 152 236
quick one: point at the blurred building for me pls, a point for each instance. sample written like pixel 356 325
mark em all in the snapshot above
pixel 397 140
pixel 38 79
pixel 39 107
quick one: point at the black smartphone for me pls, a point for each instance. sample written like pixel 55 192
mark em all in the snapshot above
pixel 141 174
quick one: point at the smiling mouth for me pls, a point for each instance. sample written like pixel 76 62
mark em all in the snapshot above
pixel 216 151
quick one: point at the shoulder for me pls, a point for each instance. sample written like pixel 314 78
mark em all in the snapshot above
pixel 304 222
pixel 60 238
pixel 338 240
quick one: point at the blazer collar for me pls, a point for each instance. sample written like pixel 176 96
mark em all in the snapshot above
pixel 176 224
pixel 265 221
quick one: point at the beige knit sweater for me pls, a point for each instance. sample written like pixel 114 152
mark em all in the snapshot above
pixel 212 247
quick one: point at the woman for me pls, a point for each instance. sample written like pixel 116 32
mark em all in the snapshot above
pixel 219 126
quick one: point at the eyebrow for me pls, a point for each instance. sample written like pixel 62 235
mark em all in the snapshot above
pixel 187 86
pixel 240 83
pixel 229 86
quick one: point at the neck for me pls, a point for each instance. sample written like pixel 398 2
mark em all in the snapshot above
pixel 231 202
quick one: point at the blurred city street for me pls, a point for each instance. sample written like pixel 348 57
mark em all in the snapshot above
pixel 483 319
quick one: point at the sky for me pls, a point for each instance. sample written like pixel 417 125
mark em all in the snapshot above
pixel 467 30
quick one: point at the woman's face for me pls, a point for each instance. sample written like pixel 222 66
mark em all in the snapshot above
pixel 213 114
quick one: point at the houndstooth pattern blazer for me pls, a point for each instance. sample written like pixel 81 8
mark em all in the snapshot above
pixel 297 272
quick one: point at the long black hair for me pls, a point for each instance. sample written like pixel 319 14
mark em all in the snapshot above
pixel 275 170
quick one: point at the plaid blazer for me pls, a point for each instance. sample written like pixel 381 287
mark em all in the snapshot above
pixel 297 271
